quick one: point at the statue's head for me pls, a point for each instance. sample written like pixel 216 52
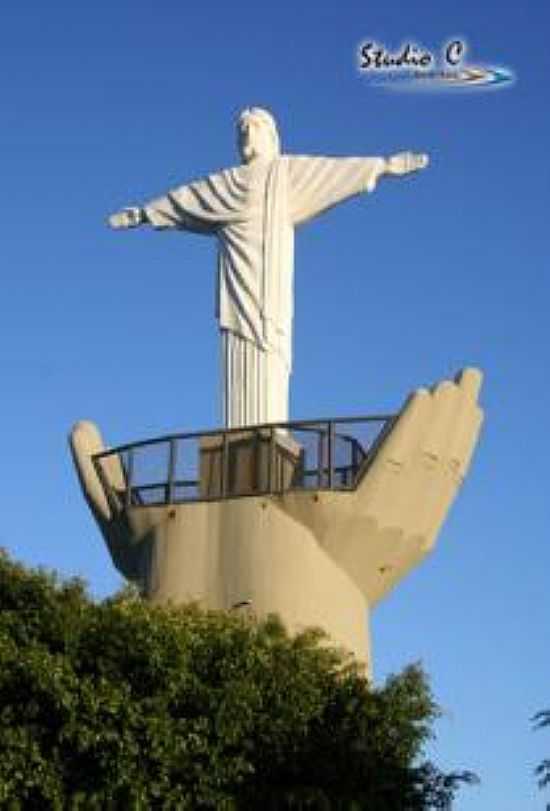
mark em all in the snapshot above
pixel 257 135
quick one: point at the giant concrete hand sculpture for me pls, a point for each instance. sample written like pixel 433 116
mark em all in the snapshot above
pixel 253 210
pixel 316 557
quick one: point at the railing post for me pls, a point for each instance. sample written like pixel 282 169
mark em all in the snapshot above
pixel 354 465
pixel 271 460
pixel 172 455
pixel 256 477
pixel 330 453
pixel 129 477
pixel 320 457
pixel 224 465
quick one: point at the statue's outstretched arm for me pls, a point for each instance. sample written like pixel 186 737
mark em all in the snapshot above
pixel 319 183
pixel 202 206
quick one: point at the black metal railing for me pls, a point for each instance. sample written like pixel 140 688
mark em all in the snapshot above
pixel 256 460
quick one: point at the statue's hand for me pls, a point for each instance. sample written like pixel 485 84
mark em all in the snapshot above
pixel 127 218
pixel 405 162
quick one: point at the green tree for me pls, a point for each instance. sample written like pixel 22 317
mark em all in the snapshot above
pixel 121 705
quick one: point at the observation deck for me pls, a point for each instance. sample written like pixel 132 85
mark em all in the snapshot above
pixel 323 454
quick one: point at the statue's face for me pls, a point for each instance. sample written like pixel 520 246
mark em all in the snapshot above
pixel 255 139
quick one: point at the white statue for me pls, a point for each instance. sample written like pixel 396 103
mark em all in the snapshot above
pixel 253 209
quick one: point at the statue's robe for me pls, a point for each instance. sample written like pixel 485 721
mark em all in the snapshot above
pixel 252 210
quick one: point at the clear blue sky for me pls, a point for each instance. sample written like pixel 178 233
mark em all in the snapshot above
pixel 105 104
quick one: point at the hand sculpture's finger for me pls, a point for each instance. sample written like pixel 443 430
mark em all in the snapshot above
pixel 437 476
pixel 85 440
pixel 445 398
pixel 448 447
pixel 384 484
pixel 457 417
pixel 469 381
pixel 103 486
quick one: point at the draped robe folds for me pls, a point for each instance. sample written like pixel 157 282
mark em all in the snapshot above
pixel 252 210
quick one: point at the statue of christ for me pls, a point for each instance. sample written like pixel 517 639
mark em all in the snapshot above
pixel 252 210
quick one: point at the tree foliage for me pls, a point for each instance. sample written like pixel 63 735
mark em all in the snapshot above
pixel 121 705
